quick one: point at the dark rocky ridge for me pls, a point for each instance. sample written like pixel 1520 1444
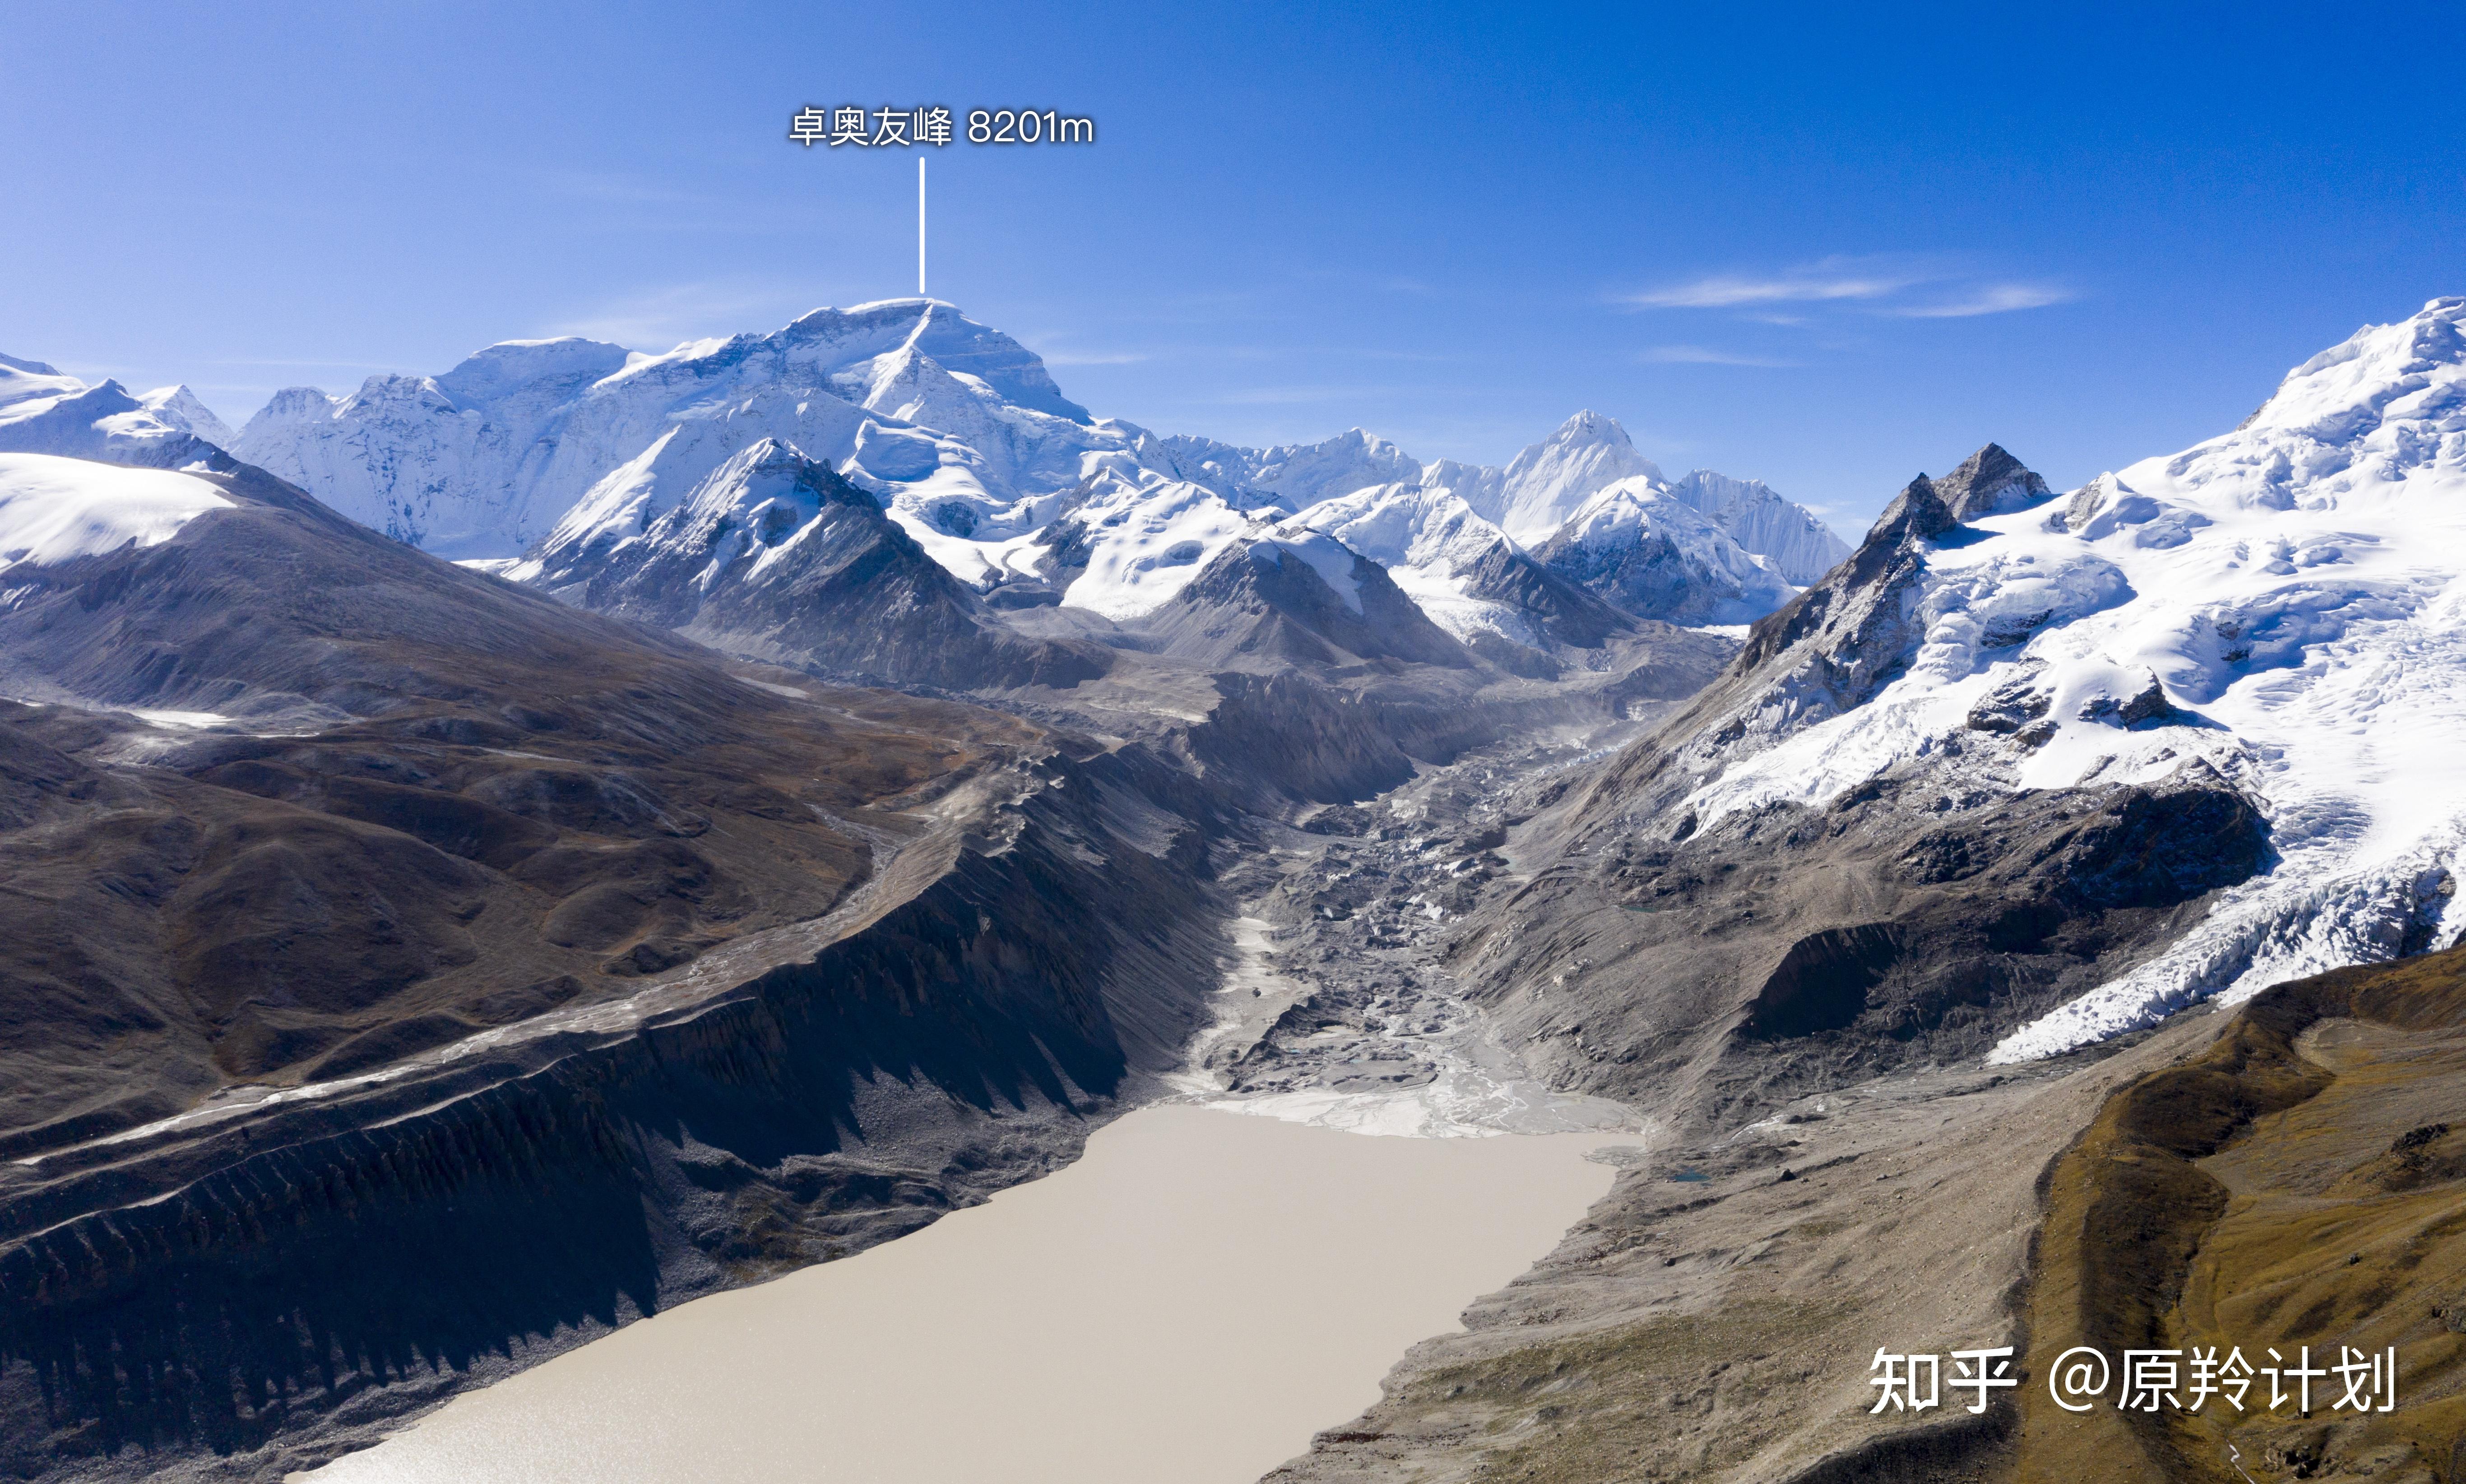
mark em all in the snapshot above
pixel 1989 482
pixel 853 596
pixel 1259 604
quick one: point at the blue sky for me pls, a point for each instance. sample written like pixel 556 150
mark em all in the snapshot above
pixel 1826 246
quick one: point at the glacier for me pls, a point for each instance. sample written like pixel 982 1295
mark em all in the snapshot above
pixel 2283 606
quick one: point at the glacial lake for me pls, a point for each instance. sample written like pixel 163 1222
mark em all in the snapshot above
pixel 1191 1300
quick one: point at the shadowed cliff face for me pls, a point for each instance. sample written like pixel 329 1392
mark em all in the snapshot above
pixel 271 1281
pixel 814 577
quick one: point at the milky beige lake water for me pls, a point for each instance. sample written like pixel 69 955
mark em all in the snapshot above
pixel 1189 1301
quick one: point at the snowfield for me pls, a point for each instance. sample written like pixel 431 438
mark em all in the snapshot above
pixel 2295 591
pixel 1429 540
pixel 55 510
pixel 1145 544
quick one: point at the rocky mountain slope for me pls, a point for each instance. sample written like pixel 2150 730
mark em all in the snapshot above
pixel 2292 1188
pixel 2025 772
pixel 461 973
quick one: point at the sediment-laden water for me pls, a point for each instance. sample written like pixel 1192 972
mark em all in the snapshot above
pixel 1190 1301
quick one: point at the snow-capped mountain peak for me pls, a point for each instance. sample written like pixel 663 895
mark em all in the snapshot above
pixel 569 446
pixel 178 407
pixel 955 425
pixel 1548 482
pixel 1637 543
pixel 1801 546
pixel 2406 371
pixel 45 412
pixel 2280 609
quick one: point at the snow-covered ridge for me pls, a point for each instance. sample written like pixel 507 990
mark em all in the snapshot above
pixel 2284 605
pixel 1144 544
pixel 43 410
pixel 54 510
pixel 178 407
pixel 1800 547
pixel 1430 541
pixel 1742 545
pixel 957 428
pixel 1642 546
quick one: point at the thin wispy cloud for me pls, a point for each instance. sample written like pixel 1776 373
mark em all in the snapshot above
pixel 1900 287
pixel 660 318
pixel 1833 278
pixel 1093 357
pixel 1706 355
pixel 1995 298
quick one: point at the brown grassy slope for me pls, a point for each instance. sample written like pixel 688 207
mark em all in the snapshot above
pixel 1711 1320
pixel 2270 1191
pixel 293 908
pixel 443 802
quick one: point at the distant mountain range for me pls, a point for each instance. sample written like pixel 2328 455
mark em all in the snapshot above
pixel 548 448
